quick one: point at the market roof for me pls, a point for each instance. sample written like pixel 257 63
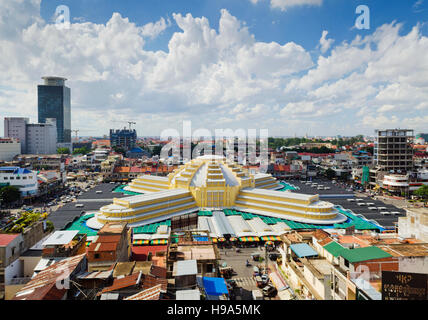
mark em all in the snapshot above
pixel 188 295
pixel 215 286
pixel 334 248
pixel 364 254
pixel 303 250
pixel 60 238
pixel 185 267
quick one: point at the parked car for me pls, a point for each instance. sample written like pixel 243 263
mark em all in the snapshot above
pixel 269 291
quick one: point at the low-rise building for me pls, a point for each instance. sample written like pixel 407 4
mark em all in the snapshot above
pixel 9 148
pixel 414 224
pixel 111 245
pixel 25 180
pixel 56 282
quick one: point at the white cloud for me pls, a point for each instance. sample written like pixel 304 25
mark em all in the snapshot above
pixel 152 30
pixel 285 4
pixel 325 43
pixel 215 78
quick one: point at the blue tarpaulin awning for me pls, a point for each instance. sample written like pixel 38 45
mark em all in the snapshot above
pixel 303 250
pixel 215 286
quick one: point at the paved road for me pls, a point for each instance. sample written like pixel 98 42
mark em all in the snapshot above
pixel 243 274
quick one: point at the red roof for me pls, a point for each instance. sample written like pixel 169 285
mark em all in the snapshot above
pixel 121 169
pixel 108 238
pixel 124 282
pixel 44 285
pixel 151 281
pixel 5 239
pixel 158 272
pixel 140 253
pixel 103 246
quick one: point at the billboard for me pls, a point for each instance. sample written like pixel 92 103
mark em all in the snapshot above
pixel 404 286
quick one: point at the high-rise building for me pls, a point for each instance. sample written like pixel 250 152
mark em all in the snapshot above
pixel 42 137
pixel 16 128
pixel 124 138
pixel 54 102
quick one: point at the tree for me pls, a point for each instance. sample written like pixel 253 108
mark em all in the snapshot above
pixel 330 173
pixel 63 151
pixel 157 150
pixel 83 151
pixel 10 194
pixel 119 150
pixel 423 193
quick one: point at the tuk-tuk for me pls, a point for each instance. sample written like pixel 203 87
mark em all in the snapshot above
pixel 226 272
pixel 255 256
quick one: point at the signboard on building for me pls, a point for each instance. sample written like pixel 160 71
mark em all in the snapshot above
pixel 404 286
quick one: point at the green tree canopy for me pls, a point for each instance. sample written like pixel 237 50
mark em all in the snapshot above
pixel 83 150
pixel 63 151
pixel 422 192
pixel 10 194
pixel 330 173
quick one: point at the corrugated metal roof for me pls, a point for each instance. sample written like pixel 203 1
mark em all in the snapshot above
pixel 151 281
pixel 132 280
pixel 148 294
pixel 303 250
pixel 43 285
pixel 334 248
pixel 364 254
pixel 186 267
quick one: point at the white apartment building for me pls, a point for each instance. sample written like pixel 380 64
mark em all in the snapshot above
pixel 42 137
pixel 9 147
pixel 17 128
pixel 21 178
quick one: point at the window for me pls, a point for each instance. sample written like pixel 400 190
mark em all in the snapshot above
pixel 96 255
pixel 210 267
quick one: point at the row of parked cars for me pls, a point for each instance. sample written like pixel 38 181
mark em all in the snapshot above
pixel 315 185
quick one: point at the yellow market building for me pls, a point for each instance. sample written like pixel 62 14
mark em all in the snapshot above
pixel 213 183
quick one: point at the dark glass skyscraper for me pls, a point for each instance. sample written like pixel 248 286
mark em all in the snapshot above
pixel 54 102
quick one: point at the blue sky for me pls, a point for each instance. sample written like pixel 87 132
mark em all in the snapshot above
pixel 293 67
pixel 301 24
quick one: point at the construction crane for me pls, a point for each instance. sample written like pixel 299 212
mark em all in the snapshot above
pixel 130 123
pixel 76 132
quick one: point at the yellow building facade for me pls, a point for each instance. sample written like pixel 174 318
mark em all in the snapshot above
pixel 213 183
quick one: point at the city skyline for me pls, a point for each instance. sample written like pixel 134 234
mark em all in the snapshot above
pixel 222 65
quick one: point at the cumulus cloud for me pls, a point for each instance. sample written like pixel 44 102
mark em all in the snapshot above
pixel 325 43
pixel 152 30
pixel 214 77
pixel 285 4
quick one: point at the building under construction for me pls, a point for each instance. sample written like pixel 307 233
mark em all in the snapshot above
pixel 393 153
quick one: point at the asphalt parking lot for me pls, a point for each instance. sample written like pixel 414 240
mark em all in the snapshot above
pixel 91 201
pixel 386 221
pixel 308 189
